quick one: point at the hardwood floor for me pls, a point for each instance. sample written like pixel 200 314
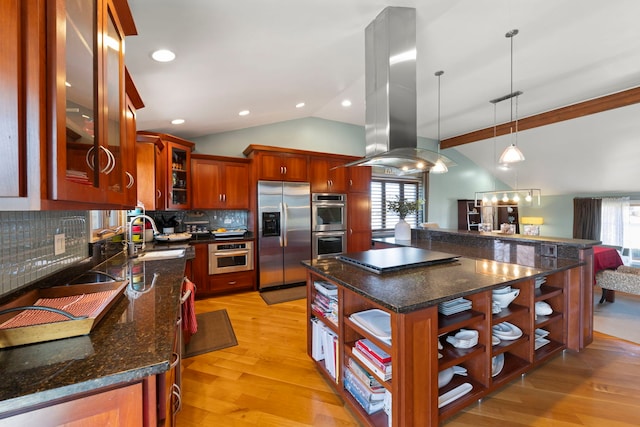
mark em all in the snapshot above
pixel 268 380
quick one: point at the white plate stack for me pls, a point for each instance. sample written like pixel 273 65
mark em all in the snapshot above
pixel 540 281
pixel 540 338
pixel 454 306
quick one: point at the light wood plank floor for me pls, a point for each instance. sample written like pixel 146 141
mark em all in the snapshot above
pixel 268 380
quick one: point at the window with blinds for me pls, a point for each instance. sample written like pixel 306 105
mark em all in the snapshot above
pixel 386 190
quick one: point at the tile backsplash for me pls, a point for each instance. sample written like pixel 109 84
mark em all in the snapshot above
pixel 214 219
pixel 27 244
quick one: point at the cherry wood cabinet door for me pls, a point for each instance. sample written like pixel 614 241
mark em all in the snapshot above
pixel 118 407
pixel 282 167
pixel 219 184
pixel 179 177
pixel 13 137
pixel 236 188
pixel 358 222
pixel 359 179
pixel 325 180
pixel 150 175
pixel 207 179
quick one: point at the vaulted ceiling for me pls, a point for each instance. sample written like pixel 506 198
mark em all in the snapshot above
pixel 267 56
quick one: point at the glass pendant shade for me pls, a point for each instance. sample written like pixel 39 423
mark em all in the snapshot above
pixel 439 167
pixel 511 154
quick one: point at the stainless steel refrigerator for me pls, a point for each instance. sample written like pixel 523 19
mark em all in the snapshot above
pixel 284 232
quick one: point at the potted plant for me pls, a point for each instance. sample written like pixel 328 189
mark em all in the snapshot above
pixel 403 207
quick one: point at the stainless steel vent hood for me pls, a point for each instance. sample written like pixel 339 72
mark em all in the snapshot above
pixel 390 81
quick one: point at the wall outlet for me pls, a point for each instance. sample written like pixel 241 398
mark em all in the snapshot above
pixel 58 244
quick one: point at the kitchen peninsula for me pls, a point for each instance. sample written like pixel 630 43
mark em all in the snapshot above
pixel 411 298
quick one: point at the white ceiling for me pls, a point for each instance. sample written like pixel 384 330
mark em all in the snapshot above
pixel 266 56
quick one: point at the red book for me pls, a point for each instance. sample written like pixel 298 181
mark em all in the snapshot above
pixel 376 352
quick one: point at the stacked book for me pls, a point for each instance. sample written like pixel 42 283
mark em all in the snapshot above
pixel 325 302
pixel 373 357
pixel 365 389
pixel 324 346
pixel 79 177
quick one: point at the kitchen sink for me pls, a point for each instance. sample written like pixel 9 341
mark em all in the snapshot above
pixel 155 255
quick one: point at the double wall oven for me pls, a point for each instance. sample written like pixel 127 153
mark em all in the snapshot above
pixel 329 224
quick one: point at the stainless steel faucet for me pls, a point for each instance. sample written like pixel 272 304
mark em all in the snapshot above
pixel 104 231
pixel 131 245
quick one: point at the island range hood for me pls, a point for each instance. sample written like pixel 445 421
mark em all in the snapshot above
pixel 390 82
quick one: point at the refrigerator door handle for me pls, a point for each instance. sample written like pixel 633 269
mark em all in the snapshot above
pixel 285 226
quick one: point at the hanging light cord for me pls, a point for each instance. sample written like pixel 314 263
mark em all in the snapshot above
pixel 439 74
pixel 511 34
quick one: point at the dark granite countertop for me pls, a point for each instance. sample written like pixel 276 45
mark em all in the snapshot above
pixel 493 235
pixel 134 340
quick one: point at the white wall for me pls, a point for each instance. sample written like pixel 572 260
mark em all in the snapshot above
pixel 461 182
pixel 311 134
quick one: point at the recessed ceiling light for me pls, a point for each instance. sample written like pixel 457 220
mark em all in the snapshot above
pixel 300 105
pixel 177 121
pixel 346 103
pixel 163 55
pixel 67 84
pixel 244 113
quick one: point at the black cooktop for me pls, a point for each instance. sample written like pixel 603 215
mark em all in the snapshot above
pixel 391 259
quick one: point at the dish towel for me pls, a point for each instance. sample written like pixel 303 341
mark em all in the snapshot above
pixel 189 321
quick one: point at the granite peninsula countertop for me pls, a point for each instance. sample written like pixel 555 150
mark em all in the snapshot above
pixel 134 340
pixel 478 268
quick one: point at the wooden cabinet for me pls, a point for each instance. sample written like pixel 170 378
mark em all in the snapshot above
pixel 119 406
pixel 278 164
pixel 359 179
pixel 219 182
pixel 415 336
pixel 17 29
pixel 171 171
pixel 325 179
pixel 216 284
pixel 469 216
pixel 150 172
pixel 358 222
pixel 133 103
pixel 86 88
pixel 508 215
pixel 359 208
pixel 179 179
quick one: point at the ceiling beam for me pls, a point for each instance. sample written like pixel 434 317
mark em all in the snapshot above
pixel 592 106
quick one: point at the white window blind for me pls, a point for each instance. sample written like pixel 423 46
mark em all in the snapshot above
pixel 383 191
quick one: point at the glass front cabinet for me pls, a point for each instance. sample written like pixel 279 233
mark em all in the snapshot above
pixel 87 92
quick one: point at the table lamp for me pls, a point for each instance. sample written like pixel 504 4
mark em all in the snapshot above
pixel 531 225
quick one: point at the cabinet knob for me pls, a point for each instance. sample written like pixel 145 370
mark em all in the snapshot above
pixel 159 193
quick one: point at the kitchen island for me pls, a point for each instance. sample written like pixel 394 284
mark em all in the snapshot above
pixel 119 368
pixel 411 300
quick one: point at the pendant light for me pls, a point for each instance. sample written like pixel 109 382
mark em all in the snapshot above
pixel 512 153
pixel 439 167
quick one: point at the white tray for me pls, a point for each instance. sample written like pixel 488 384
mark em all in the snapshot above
pixel 175 237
